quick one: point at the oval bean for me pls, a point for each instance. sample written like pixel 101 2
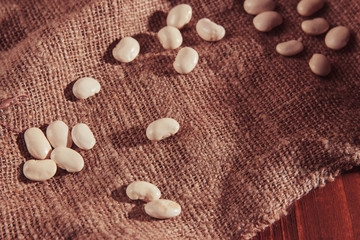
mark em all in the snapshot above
pixel 170 37
pixel 126 50
pixel 68 159
pixel 320 65
pixel 209 31
pixel 58 134
pixel 309 7
pixel 82 136
pixel 86 87
pixel 315 26
pixel 162 128
pixel 39 170
pixel 36 143
pixel 266 21
pixel 143 190
pixel 290 48
pixel 162 209
pixel 179 16
pixel 186 60
pixel 337 37
pixel 255 7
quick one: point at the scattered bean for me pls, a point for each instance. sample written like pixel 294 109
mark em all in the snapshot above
pixel 126 50
pixel 58 134
pixel 36 143
pixel 266 21
pixel 143 190
pixel 337 37
pixel 320 65
pixel 68 159
pixel 82 136
pixel 290 48
pixel 186 60
pixel 170 37
pixel 162 128
pixel 162 209
pixel 309 7
pixel 255 7
pixel 179 16
pixel 315 26
pixel 86 87
pixel 39 170
pixel 209 31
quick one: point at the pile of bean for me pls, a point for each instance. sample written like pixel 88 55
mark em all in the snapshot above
pixel 170 38
pixel 266 19
pixel 155 207
pixel 58 136
pixel 44 166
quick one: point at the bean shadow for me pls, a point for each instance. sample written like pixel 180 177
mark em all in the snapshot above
pixel 21 176
pixel 161 65
pixel 190 36
pixel 119 195
pixel 148 43
pixel 157 21
pixel 349 48
pixel 137 212
pixel 11 24
pixel 22 146
pixel 69 96
pixel 60 173
pixel 108 57
pixel 176 2
pixel 321 13
pixel 332 76
pixel 131 137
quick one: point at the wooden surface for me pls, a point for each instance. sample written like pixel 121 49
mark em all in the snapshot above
pixel 331 212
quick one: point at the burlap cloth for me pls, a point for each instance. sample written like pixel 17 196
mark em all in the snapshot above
pixel 258 130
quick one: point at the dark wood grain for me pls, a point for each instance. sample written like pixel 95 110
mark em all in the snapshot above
pixel 331 212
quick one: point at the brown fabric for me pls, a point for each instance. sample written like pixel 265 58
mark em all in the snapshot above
pixel 258 130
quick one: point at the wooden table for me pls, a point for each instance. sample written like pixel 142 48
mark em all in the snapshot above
pixel 331 212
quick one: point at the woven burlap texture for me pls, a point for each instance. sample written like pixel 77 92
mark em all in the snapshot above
pixel 258 130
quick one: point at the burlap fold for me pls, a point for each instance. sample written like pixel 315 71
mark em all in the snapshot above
pixel 258 130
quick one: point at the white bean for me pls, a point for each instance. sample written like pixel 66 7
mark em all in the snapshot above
pixel 337 37
pixel 143 190
pixel 209 31
pixel 162 128
pixel 39 170
pixel 320 65
pixel 186 60
pixel 170 37
pixel 162 209
pixel 255 7
pixel 126 50
pixel 82 136
pixel 315 26
pixel 289 48
pixel 266 21
pixel 68 159
pixel 86 87
pixel 309 7
pixel 58 134
pixel 179 16
pixel 36 143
